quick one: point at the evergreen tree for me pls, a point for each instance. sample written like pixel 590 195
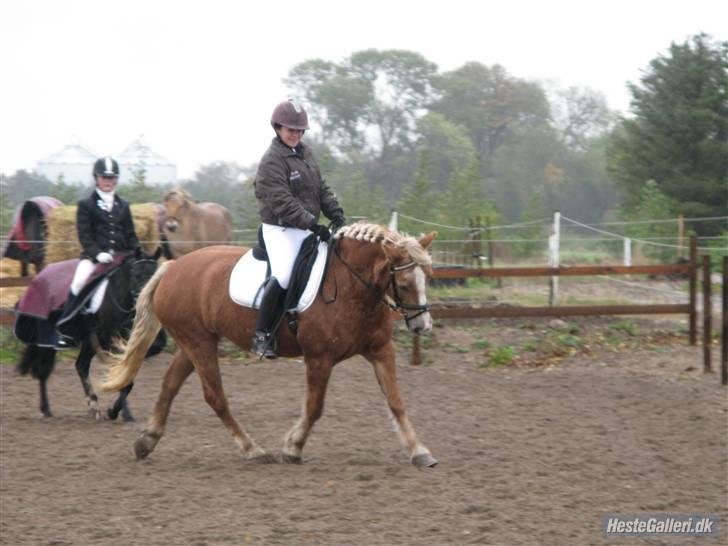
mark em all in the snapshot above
pixel 652 203
pixel 678 136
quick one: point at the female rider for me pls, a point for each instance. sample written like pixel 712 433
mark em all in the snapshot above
pixel 291 196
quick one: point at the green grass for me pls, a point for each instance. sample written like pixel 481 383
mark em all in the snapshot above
pixel 10 348
pixel 569 340
pixel 625 326
pixel 502 356
pixel 481 345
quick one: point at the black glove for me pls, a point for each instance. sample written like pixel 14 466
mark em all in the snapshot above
pixel 322 232
pixel 337 222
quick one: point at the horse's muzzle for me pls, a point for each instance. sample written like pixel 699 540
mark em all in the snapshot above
pixel 421 324
pixel 171 226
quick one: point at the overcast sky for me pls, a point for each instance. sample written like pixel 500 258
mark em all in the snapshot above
pixel 199 79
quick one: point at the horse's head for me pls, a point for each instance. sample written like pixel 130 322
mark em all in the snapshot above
pixel 410 270
pixel 175 204
pixel 143 266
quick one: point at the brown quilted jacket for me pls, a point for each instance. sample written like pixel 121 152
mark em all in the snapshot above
pixel 290 190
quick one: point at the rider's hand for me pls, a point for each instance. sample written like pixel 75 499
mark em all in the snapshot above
pixel 104 258
pixel 337 222
pixel 322 232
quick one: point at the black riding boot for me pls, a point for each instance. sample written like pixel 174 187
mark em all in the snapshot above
pixel 271 309
pixel 66 325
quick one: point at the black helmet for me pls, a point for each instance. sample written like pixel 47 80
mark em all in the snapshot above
pixel 106 166
pixel 291 114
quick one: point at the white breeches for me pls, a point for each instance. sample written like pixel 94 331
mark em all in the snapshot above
pixel 283 244
pixel 83 272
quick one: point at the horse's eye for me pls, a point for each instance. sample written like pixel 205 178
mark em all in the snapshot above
pixel 403 287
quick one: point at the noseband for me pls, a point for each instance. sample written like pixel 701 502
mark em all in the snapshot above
pixel 396 303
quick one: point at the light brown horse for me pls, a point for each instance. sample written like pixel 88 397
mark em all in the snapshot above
pixel 371 270
pixel 190 225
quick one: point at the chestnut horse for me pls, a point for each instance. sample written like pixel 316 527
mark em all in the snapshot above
pixel 190 225
pixel 370 271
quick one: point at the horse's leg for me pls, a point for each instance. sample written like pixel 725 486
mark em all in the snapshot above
pixel 83 365
pixel 318 373
pixel 383 361
pixel 39 362
pixel 45 407
pixel 174 378
pixel 23 268
pixel 204 357
pixel 121 405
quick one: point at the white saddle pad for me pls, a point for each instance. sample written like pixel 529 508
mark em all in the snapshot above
pixel 249 274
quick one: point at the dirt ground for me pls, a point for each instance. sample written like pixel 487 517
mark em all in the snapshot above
pixel 532 452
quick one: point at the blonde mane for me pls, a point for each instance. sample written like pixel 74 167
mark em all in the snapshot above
pixel 373 233
pixel 177 193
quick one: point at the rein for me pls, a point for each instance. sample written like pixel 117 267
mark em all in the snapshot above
pixel 396 303
pixel 134 291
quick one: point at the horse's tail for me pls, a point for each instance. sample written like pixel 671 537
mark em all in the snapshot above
pixel 126 363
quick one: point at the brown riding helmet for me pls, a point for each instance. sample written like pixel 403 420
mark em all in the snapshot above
pixel 290 114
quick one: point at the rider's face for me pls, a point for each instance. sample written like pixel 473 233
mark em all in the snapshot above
pixel 291 137
pixel 106 183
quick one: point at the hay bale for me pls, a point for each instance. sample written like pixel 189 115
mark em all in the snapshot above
pixel 62 242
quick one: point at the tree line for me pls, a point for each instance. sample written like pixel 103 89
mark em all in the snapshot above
pixel 391 131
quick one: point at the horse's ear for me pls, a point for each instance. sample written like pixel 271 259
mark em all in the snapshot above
pixel 391 252
pixel 426 240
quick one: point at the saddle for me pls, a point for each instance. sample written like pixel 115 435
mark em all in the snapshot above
pixel 253 270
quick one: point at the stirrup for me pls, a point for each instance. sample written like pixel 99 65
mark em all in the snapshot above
pixel 65 342
pixel 263 345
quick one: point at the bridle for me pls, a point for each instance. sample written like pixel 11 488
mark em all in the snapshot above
pixel 396 303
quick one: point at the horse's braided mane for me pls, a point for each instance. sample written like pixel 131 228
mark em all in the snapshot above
pixel 374 233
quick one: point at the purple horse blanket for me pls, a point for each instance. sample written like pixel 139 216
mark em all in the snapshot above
pixel 40 307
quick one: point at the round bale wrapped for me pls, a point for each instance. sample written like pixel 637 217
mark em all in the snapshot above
pixel 63 242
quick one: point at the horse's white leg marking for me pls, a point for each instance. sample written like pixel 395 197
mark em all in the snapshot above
pixel 317 377
pixel 385 372
pixel 296 437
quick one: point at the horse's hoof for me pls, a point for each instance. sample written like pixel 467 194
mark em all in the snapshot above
pixel 111 415
pixel 424 460
pixel 260 456
pixel 145 444
pixel 266 458
pixel 286 458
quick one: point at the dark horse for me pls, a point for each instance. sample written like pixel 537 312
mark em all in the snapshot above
pixel 98 332
pixel 26 241
pixel 370 270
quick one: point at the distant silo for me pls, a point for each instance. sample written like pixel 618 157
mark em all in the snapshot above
pixel 139 156
pixel 74 163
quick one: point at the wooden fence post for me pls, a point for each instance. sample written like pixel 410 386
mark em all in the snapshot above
pixel 416 359
pixel 693 296
pixel 707 316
